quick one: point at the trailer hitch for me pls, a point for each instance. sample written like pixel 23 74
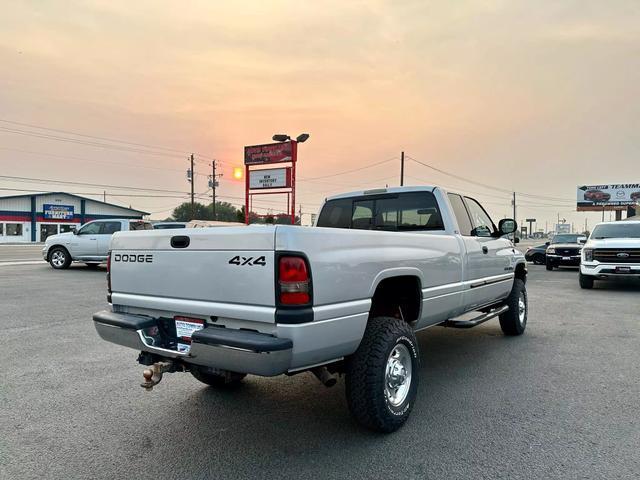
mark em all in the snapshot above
pixel 153 374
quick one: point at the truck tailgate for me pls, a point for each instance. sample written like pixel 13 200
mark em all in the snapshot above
pixel 231 265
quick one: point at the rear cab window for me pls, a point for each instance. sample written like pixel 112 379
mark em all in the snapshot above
pixel 411 211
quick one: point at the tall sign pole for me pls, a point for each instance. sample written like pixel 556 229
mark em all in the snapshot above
pixel 193 205
pixel 279 180
pixel 294 159
pixel 401 169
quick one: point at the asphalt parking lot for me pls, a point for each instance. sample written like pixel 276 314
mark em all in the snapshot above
pixel 559 402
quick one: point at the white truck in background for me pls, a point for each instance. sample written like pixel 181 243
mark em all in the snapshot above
pixel 343 297
pixel 612 251
pixel 89 243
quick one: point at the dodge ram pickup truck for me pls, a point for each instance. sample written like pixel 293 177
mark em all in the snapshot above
pixel 612 251
pixel 88 244
pixel 345 296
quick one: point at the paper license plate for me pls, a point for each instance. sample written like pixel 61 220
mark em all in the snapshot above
pixel 566 258
pixel 623 269
pixel 185 327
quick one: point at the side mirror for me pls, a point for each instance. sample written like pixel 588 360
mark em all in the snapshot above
pixel 547 243
pixel 582 240
pixel 507 226
pixel 516 240
pixel 74 230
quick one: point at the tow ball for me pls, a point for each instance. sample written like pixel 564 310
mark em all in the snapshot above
pixel 153 374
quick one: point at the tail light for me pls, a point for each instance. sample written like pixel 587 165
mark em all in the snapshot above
pixel 109 277
pixel 293 281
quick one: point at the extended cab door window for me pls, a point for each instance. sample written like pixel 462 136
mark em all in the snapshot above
pixel 461 214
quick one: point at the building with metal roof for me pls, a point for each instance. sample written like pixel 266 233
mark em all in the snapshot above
pixel 33 217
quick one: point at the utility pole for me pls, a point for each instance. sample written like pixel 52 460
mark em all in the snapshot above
pixel 213 187
pixel 514 214
pixel 300 213
pixel 401 169
pixel 104 196
pixel 213 184
pixel 193 204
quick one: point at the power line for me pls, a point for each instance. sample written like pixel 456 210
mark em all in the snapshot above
pixel 347 171
pixel 96 137
pixel 484 185
pixel 68 182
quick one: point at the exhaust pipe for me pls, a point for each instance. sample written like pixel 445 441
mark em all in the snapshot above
pixel 322 374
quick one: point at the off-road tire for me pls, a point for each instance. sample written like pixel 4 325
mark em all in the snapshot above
pixel 59 258
pixel 538 259
pixel 217 378
pixel 513 321
pixel 586 281
pixel 366 375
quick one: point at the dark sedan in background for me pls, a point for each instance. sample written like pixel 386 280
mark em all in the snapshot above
pixel 537 255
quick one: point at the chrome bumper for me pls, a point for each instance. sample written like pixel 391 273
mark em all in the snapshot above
pixel 605 270
pixel 234 350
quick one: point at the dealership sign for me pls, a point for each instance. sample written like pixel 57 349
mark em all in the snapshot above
pixel 269 153
pixel 270 178
pixel 612 196
pixel 57 212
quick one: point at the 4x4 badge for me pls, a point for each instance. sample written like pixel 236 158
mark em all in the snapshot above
pixel 238 260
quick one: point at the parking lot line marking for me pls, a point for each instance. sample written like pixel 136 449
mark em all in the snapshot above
pixel 27 262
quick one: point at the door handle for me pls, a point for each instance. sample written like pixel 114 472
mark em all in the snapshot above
pixel 485 250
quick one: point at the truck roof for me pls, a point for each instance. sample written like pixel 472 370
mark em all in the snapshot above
pixel 377 191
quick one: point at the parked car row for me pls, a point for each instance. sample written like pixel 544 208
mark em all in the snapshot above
pixel 611 251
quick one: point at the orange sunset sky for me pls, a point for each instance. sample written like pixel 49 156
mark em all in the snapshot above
pixel 536 97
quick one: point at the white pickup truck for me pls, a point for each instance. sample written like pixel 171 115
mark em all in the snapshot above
pixel 88 244
pixel 612 251
pixel 343 297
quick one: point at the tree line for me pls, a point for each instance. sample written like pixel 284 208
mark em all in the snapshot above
pixel 225 212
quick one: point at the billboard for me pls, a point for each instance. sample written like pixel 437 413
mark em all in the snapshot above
pixel 607 197
pixel 563 228
pixel 270 178
pixel 57 212
pixel 268 153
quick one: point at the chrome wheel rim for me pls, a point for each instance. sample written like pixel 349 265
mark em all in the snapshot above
pixel 522 309
pixel 58 258
pixel 397 379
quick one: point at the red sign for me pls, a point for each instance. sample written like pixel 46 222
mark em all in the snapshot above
pixel 269 153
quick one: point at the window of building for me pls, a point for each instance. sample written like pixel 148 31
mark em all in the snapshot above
pixel 1 229
pixel 14 229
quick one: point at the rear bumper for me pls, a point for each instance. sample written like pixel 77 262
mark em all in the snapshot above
pixel 606 270
pixel 234 350
pixel 291 347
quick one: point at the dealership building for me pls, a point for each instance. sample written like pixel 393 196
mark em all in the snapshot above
pixel 34 217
